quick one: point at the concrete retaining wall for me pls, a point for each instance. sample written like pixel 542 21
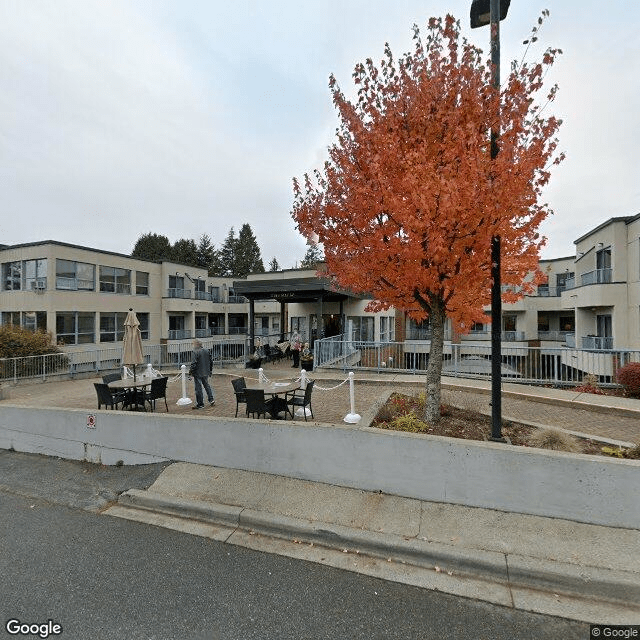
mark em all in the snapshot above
pixel 589 489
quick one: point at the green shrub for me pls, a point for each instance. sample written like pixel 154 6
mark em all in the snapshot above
pixel 629 377
pixel 409 422
pixel 17 342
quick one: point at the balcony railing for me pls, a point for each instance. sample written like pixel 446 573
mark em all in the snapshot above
pixel 202 295
pixel 545 291
pixel 237 299
pixel 597 276
pixel 512 336
pixel 597 343
pixel 234 331
pixel 179 334
pixel 554 336
pixel 178 293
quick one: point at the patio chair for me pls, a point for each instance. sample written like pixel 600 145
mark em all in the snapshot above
pixel 256 403
pixel 158 390
pixel 239 386
pixel 269 355
pixel 302 400
pixel 111 377
pixel 107 397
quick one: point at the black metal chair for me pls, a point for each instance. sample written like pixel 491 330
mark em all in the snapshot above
pixel 158 391
pixel 111 377
pixel 106 397
pixel 304 401
pixel 239 386
pixel 256 403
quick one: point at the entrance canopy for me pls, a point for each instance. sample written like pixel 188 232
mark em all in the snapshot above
pixel 285 290
pixel 301 289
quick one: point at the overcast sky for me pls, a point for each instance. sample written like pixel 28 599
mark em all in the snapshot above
pixel 185 117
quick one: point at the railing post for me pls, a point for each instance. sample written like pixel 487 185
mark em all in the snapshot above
pixel 352 417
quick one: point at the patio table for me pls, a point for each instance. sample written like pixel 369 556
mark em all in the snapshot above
pixel 275 390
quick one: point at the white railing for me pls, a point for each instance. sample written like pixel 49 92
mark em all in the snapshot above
pixel 520 363
pixel 224 350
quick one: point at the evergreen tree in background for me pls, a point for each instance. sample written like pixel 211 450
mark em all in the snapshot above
pixel 206 254
pixel 151 246
pixel 185 252
pixel 312 257
pixel 247 258
pixel 273 265
pixel 227 253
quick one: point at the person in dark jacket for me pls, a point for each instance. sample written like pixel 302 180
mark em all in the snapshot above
pixel 200 369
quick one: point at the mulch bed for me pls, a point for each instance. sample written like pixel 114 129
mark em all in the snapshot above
pixel 459 423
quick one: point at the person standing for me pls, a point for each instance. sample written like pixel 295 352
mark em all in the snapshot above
pixel 296 345
pixel 200 369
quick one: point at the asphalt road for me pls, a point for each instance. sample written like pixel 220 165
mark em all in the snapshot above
pixel 102 577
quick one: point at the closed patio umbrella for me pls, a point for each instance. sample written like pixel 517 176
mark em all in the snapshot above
pixel 132 344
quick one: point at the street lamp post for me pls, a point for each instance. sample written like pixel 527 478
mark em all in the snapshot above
pixel 490 12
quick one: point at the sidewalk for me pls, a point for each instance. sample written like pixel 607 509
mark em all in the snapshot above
pixel 552 566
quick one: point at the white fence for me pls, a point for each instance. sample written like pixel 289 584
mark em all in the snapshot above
pixel 223 349
pixel 529 365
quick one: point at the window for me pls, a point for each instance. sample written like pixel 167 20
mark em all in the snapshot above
pixel 214 292
pixel 35 274
pixel 11 317
pixel 200 288
pixel 34 320
pixel 112 327
pixel 419 331
pixel 477 327
pixel 176 282
pixel 509 323
pixel 561 280
pixel 12 276
pixel 115 280
pixel 299 324
pixel 143 319
pixel 361 328
pixel 75 276
pixel 142 283
pixel 74 327
pixel 543 322
pixel 387 328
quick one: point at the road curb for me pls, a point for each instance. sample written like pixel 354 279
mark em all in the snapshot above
pixel 509 570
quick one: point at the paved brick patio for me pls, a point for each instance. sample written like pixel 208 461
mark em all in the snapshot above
pixel 331 404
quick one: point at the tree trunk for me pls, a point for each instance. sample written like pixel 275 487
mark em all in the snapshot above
pixel 434 368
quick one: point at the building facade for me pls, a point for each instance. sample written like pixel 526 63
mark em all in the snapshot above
pixel 81 295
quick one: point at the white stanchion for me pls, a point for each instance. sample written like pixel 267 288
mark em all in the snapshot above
pixel 184 400
pixel 303 411
pixel 352 417
pixel 261 376
pixel 149 371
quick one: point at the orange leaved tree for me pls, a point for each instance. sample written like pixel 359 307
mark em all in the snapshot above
pixel 409 199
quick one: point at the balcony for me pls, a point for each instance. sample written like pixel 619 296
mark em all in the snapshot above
pixel 554 336
pixel 237 300
pixel 179 334
pixel 179 293
pixel 512 336
pixel 597 276
pixel 545 291
pixel 597 343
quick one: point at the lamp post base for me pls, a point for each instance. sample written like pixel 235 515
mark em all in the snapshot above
pixel 352 418
pixel 502 439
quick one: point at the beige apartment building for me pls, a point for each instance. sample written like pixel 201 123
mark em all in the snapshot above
pixel 82 295
pixel 590 301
